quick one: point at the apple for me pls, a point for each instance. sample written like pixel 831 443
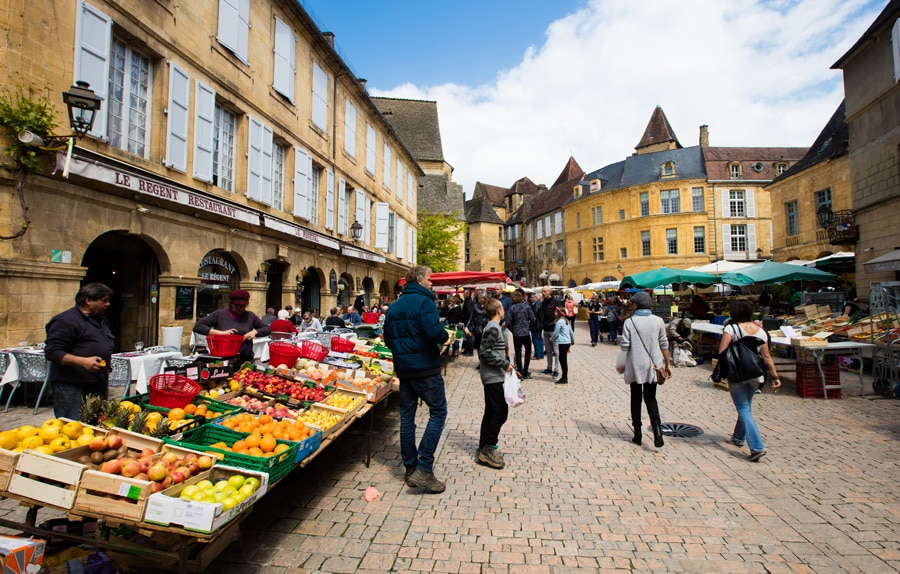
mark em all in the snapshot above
pixel 156 487
pixel 185 471
pixel 167 481
pixel 156 472
pixel 177 477
pixel 189 458
pixel 169 458
pixel 142 476
pixel 114 440
pixel 130 468
pixel 204 462
pixel 145 463
pixel 147 453
pixel 194 468
pixel 99 444
pixel 113 466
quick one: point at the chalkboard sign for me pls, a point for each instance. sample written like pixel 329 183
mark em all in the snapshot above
pixel 332 281
pixel 184 302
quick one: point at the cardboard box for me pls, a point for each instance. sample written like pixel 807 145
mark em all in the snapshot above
pixel 166 509
pixel 817 340
pixel 21 555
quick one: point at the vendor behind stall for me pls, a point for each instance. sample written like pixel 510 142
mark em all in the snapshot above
pixel 235 320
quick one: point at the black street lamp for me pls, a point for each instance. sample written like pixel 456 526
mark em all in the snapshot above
pixel 83 105
pixel 356 230
pixel 824 215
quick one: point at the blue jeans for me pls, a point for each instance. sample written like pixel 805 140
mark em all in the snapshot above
pixel 613 330
pixel 431 391
pixel 594 324
pixel 537 339
pixel 745 428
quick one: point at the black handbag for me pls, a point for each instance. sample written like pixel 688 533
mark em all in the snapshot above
pixel 741 360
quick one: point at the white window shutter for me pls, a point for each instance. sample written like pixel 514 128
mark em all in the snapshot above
pixel 329 200
pixel 370 149
pixel 342 207
pixel 243 38
pixel 93 37
pixel 349 128
pixel 381 225
pixel 285 60
pixel 387 166
pixel 895 48
pixel 751 240
pixel 410 189
pixel 411 244
pixel 177 125
pixel 400 180
pixel 254 159
pixel 234 27
pixel 302 183
pixel 320 97
pixel 751 207
pixel 401 238
pixel 367 222
pixel 267 165
pixel 204 131
pixel 360 213
pixel 726 241
pixel 726 204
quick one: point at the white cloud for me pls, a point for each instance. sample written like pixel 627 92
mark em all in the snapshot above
pixel 758 73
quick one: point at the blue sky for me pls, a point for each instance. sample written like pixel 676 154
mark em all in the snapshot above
pixel 522 85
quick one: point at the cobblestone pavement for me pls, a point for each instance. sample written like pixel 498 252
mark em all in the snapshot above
pixel 577 496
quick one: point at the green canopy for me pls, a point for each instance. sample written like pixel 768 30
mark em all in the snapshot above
pixel 769 273
pixel 665 276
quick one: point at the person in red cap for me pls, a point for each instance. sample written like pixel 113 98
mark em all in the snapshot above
pixel 235 320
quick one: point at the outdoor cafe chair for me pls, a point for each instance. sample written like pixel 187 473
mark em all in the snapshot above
pixel 33 368
pixel 120 374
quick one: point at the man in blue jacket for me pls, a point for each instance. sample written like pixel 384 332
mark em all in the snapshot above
pixel 414 334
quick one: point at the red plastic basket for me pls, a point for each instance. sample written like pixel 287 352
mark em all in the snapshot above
pixel 313 350
pixel 342 345
pixel 370 317
pixel 281 353
pixel 224 345
pixel 172 391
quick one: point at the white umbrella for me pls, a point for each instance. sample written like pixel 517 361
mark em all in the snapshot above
pixel 721 266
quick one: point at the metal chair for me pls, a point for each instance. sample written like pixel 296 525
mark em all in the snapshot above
pixel 33 368
pixel 4 363
pixel 280 336
pixel 161 349
pixel 199 343
pixel 120 374
pixel 179 362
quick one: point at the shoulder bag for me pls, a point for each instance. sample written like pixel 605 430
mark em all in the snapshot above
pixel 741 360
pixel 661 374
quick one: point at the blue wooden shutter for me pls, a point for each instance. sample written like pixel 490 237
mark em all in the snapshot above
pixel 177 129
pixel 204 131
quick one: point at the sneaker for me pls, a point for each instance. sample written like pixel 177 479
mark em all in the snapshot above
pixel 593 343
pixel 525 376
pixel 735 441
pixel 409 471
pixel 555 373
pixel 756 455
pixel 426 479
pixel 547 371
pixel 562 381
pixel 490 455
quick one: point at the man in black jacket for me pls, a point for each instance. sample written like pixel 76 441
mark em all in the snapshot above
pixel 468 310
pixel 549 303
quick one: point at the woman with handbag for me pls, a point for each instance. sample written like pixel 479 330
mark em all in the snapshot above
pixel 647 364
pixel 742 391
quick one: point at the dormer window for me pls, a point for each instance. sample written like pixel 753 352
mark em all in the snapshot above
pixel 734 168
pixel 668 169
pixel 781 167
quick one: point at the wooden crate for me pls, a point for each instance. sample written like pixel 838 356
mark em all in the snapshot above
pixel 8 460
pixel 48 480
pixel 347 392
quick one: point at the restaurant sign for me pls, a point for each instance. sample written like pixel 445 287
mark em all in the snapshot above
pixel 300 232
pixel 360 254
pixel 158 190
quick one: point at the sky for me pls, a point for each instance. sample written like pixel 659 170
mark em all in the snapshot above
pixel 522 85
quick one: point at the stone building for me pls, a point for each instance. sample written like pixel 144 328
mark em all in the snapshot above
pixel 820 180
pixel 871 74
pixel 485 216
pixel 416 122
pixel 233 148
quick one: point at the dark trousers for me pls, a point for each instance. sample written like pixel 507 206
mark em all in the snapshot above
pixel 537 337
pixel 67 397
pixel 564 359
pixel 522 345
pixel 431 390
pixel 495 413
pixel 594 324
pixel 647 392
pixel 613 330
pixel 246 352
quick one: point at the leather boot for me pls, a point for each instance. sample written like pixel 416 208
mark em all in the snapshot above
pixel 657 434
pixel 637 432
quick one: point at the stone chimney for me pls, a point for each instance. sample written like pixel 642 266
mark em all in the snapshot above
pixel 329 37
pixel 704 135
pixel 362 83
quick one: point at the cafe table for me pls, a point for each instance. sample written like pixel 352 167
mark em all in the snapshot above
pixel 145 364
pixel 11 374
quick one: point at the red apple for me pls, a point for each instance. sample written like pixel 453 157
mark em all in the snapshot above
pixel 156 487
pixel 147 453
pixel 112 466
pixel 194 468
pixel 177 477
pixel 167 481
pixel 99 444
pixel 156 472
pixel 185 471
pixel 189 458
pixel 145 464
pixel 169 458
pixel 114 440
pixel 130 468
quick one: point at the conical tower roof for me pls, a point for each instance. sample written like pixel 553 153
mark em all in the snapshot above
pixel 658 136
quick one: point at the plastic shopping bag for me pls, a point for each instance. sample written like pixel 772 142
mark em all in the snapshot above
pixel 512 390
pixel 620 361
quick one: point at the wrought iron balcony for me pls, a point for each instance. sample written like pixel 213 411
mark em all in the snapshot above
pixel 842 228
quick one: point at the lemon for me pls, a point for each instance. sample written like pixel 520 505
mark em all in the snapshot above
pixel 32 442
pixel 26 431
pixel 46 449
pixel 9 439
pixel 213 393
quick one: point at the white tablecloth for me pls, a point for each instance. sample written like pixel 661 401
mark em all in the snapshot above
pixel 260 347
pixel 145 365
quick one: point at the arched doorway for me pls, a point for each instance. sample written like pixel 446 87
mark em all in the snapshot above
pixel 131 269
pixel 218 274
pixel 368 286
pixel 312 290
pixel 345 290
pixel 275 279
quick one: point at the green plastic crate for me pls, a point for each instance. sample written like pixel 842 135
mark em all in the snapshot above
pixel 202 437
pixel 226 409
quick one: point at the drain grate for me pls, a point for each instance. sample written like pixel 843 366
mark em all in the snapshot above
pixel 681 430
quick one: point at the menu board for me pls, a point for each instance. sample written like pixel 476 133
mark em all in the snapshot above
pixel 184 302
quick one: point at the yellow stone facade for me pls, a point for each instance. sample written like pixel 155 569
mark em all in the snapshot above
pixel 141 217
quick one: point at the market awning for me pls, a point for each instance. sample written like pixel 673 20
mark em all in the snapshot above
pixel 719 267
pixel 667 276
pixel 770 272
pixel 840 262
pixel 887 262
pixel 469 279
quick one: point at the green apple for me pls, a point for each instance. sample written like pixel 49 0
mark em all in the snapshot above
pixel 236 481
pixel 204 485
pixel 221 485
pixel 252 480
pixel 228 503
pixel 189 491
pixel 247 490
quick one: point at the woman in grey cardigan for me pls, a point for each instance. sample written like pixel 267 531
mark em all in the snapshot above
pixel 647 346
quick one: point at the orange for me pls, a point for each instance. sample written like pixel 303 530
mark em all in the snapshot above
pixel 281 448
pixel 253 440
pixel 268 443
pixel 200 410
pixel 176 414
pixel 263 419
pixel 190 408
pixel 239 446
pixel 255 451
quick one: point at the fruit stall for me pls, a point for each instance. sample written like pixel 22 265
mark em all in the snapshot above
pixel 169 475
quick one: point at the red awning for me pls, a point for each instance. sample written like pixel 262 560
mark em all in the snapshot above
pixel 469 278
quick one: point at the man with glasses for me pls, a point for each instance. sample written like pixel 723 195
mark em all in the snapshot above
pixel 235 320
pixel 414 333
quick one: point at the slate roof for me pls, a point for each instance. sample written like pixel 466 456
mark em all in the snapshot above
pixel 561 191
pixel 658 130
pixel 764 158
pixel 833 142
pixel 571 171
pixel 480 210
pixel 524 186
pixel 493 193
pixel 886 15
pixel 416 122
pixel 647 168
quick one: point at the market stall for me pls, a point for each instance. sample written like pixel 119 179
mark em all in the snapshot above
pixel 167 476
